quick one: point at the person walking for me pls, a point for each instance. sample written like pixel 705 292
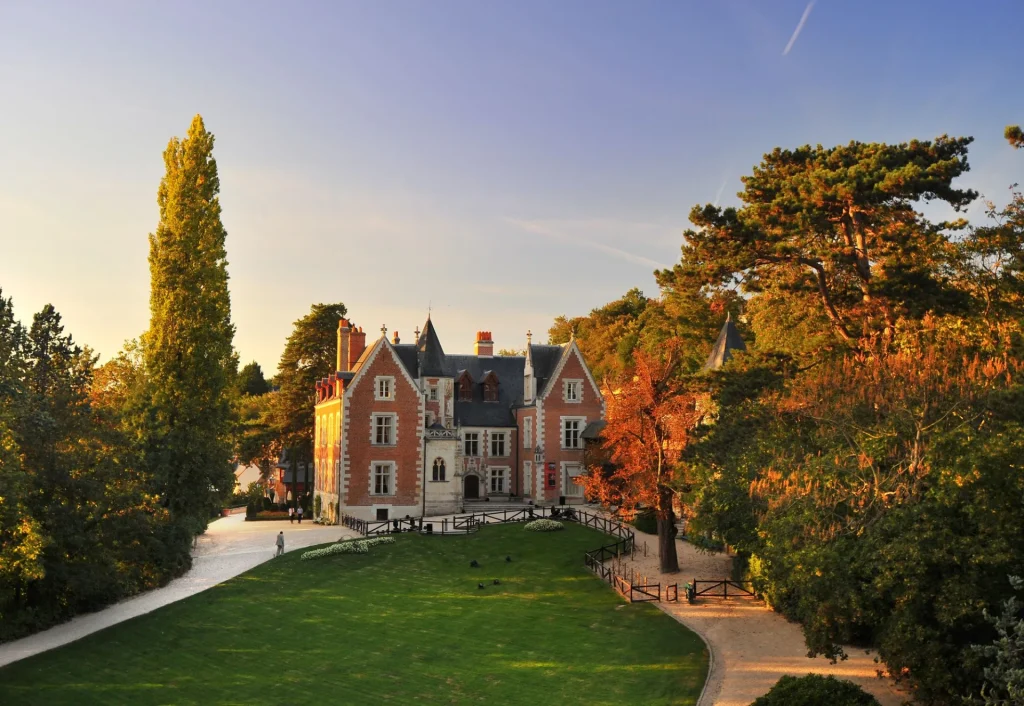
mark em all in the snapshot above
pixel 291 515
pixel 280 543
pixel 299 512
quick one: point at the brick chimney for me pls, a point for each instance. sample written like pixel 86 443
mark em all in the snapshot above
pixel 356 346
pixel 344 331
pixel 394 339
pixel 484 345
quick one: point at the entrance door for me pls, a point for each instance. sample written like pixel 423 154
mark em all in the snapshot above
pixel 471 486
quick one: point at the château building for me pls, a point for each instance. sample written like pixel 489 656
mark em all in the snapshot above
pixel 406 429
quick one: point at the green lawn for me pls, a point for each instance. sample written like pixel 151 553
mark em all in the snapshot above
pixel 403 624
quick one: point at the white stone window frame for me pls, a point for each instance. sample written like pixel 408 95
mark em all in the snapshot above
pixel 394 428
pixel 577 386
pixel 386 381
pixel 466 440
pixel 392 478
pixel 528 478
pixel 582 421
pixel 493 437
pixel 443 468
pixel 502 472
pixel 527 432
pixel 432 393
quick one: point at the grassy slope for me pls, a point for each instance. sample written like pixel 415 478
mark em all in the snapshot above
pixel 403 624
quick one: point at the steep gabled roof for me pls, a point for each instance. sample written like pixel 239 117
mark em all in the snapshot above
pixel 431 354
pixel 728 340
pixel 545 360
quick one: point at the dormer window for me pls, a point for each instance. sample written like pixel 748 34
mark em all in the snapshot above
pixel 465 388
pixel 491 387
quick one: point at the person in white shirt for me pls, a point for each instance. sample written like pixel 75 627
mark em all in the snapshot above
pixel 280 543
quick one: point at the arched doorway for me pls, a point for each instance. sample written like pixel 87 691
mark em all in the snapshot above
pixel 471 487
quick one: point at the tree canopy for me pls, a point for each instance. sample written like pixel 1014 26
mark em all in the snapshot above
pixel 190 362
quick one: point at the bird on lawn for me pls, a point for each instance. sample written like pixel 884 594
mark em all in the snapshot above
pixel 508 558
pixel 474 564
pixel 497 582
pixel 479 585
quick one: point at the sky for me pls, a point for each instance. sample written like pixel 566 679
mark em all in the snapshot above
pixel 501 163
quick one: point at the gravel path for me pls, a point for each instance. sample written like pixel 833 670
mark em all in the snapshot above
pixel 751 645
pixel 229 547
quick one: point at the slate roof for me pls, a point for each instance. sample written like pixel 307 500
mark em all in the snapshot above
pixel 508 370
pixel 426 358
pixel 592 431
pixel 431 354
pixel 728 340
pixel 545 360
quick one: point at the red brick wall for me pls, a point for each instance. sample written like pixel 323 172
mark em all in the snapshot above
pixel 406 454
pixel 554 409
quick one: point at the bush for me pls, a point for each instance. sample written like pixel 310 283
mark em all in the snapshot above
pixel 317 506
pixel 268 515
pixel 543 526
pixel 814 690
pixel 646 521
pixel 349 546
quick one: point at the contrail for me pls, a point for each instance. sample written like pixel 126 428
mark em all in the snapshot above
pixel 718 196
pixel 799 27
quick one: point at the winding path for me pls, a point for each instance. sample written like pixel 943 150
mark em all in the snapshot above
pixel 751 645
pixel 229 547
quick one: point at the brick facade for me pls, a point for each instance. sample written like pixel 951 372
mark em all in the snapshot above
pixel 477 394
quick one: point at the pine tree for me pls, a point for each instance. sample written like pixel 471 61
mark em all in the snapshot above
pixel 188 349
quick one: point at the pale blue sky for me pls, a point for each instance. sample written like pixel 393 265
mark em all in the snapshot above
pixel 505 161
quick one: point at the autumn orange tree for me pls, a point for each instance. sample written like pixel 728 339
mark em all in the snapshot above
pixel 649 416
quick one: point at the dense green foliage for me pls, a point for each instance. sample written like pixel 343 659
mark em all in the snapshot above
pixel 865 454
pixel 250 380
pixel 107 473
pixel 189 359
pixel 404 623
pixel 80 525
pixel 815 690
pixel 310 354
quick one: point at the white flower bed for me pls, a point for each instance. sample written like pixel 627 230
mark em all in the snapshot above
pixel 544 526
pixel 349 546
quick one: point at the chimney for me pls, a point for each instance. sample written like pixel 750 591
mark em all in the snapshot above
pixel 394 338
pixel 357 346
pixel 343 342
pixel 484 345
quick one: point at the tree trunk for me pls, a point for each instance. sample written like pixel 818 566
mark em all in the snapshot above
pixel 667 535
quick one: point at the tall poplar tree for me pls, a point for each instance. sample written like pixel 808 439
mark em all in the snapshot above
pixel 189 359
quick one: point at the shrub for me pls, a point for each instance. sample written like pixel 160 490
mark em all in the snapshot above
pixel 317 506
pixel 543 526
pixel 349 546
pixel 646 521
pixel 814 690
pixel 268 515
